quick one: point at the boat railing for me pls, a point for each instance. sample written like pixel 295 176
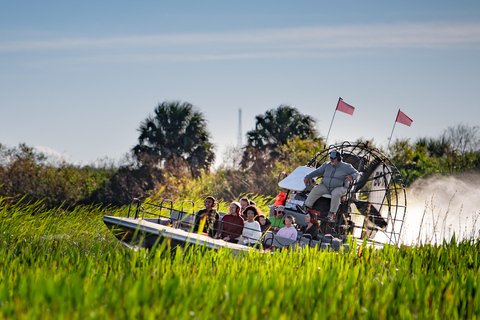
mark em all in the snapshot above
pixel 141 209
pixel 222 223
pixel 220 230
pixel 185 217
pixel 165 214
pixel 153 209
pixel 134 202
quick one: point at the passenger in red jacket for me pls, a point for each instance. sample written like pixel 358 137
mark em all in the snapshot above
pixel 231 225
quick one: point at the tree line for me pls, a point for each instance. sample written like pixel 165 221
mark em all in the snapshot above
pixel 174 157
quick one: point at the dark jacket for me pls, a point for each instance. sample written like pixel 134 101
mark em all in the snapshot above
pixel 266 226
pixel 211 222
pixel 313 231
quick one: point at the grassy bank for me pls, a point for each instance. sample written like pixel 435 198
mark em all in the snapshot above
pixel 66 265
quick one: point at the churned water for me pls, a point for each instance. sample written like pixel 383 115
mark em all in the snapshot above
pixel 440 207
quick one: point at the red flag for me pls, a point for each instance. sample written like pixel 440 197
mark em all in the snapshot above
pixel 345 107
pixel 403 118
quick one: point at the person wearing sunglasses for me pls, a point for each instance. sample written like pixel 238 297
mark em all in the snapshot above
pixel 335 173
pixel 278 218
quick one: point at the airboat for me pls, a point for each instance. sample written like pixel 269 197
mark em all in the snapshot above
pixel 372 211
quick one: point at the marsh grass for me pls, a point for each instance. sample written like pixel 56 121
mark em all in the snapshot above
pixel 66 265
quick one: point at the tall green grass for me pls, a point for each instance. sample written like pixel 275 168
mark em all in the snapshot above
pixel 66 265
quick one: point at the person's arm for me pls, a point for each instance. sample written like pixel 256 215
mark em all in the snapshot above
pixel 355 173
pixel 249 231
pixel 196 223
pixel 235 228
pixel 257 234
pixel 314 232
pixel 315 173
pixel 294 234
pixel 350 172
pixel 268 225
pixel 308 230
pixel 280 232
pixel 246 231
pixel 218 235
pixel 238 230
pixel 275 223
pixel 216 224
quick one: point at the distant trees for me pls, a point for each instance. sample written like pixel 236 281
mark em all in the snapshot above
pixel 430 156
pixel 26 175
pixel 272 130
pixel 174 154
pixel 126 183
pixel 175 138
pixel 463 138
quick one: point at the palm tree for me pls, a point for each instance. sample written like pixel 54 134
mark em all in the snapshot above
pixel 175 137
pixel 274 129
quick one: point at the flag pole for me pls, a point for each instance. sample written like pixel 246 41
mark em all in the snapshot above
pixel 326 140
pixel 390 139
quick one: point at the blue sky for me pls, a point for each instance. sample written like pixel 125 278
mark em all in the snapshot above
pixel 77 78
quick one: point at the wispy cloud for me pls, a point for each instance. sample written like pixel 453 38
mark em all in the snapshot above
pixel 250 44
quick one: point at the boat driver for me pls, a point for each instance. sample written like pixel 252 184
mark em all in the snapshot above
pixel 334 173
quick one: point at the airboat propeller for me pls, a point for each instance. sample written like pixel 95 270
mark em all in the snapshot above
pixel 375 204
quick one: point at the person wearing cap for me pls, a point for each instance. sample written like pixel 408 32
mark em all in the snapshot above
pixel 231 225
pixel 334 173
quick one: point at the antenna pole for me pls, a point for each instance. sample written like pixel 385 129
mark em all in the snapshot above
pixel 239 138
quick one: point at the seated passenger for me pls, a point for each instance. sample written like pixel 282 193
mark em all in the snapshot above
pixel 278 218
pixel 251 228
pixel 209 217
pixel 312 226
pixel 289 230
pixel 231 225
pixel 244 203
pixel 265 224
